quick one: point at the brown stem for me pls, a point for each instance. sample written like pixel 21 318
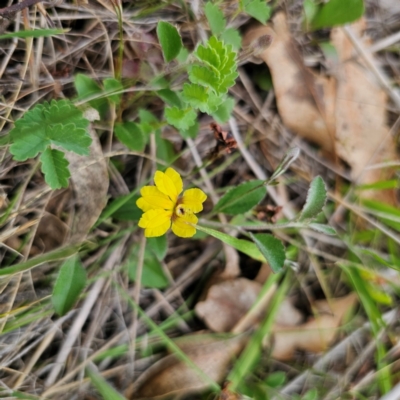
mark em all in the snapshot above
pixel 9 12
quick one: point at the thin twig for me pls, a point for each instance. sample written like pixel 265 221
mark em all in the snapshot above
pixel 9 12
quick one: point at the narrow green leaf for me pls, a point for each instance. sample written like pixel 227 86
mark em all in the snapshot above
pixel 130 135
pixel 55 168
pixel 241 198
pixel 159 246
pixel 242 245
pixel 271 248
pixel 113 85
pixel 170 40
pixel 290 157
pixel 103 387
pixel 36 33
pixel 258 9
pixel 181 118
pixel 316 198
pixel 215 18
pixel 153 275
pixel 337 12
pixel 328 230
pixel 71 280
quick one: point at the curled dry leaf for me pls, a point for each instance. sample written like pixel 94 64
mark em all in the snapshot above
pixel 172 377
pixel 345 115
pixel 314 335
pixel 227 302
pixel 89 179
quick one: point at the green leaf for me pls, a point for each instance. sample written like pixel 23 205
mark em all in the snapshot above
pixel 181 118
pixel 215 18
pixel 71 280
pixel 258 9
pixel 191 132
pixel 232 36
pixel 36 33
pixel 183 55
pixel 196 95
pixel 170 97
pixel 130 135
pixel 241 198
pixel 326 229
pixel 338 12
pixel 242 245
pixel 59 123
pixel 86 88
pixel 271 248
pixel 170 40
pixel 55 168
pixel 276 379
pixel 106 391
pixel 290 157
pixel 310 9
pixel 113 85
pixel 126 210
pixel 159 246
pixel 152 275
pixel 203 76
pixel 224 111
pixel 316 198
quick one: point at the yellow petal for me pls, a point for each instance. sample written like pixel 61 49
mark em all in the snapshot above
pixel 181 225
pixel 169 183
pixel 155 222
pixel 193 200
pixel 153 199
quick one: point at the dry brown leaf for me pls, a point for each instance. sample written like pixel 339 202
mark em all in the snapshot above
pixel 316 334
pixel 305 101
pixel 227 302
pixel 362 136
pixel 89 179
pixel 170 376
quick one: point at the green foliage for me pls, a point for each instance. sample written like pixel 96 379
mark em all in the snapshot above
pixel 224 110
pixel 215 18
pixel 258 9
pixel 337 12
pixel 55 168
pixel 153 275
pixel 58 123
pixel 124 208
pixel 159 246
pixel 232 36
pixel 180 118
pixel 113 85
pixel 35 33
pixel 316 198
pixel 71 280
pixel 241 198
pixel 131 135
pixel 170 97
pixel 326 229
pixel 271 248
pixel 170 40
pixel 103 387
pixel 191 132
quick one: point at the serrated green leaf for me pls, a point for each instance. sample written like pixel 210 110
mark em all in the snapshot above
pixel 224 111
pixel 71 280
pixel 241 198
pixel 59 123
pixel 316 198
pixel 152 275
pixel 191 132
pixel 258 9
pixel 170 40
pixel 169 97
pixel 180 118
pixel 328 230
pixel 130 135
pixel 159 246
pixel 35 33
pixel 113 85
pixel 271 248
pixel 215 18
pixel 103 387
pixel 196 95
pixel 242 245
pixel 210 57
pixel 337 12
pixel 55 168
pixel 203 76
pixel 232 36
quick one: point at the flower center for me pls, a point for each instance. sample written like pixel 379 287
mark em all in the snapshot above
pixel 182 210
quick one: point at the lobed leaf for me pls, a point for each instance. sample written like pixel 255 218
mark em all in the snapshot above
pixel 241 198
pixel 55 168
pixel 258 9
pixel 215 18
pixel 71 280
pixel 232 36
pixel 180 118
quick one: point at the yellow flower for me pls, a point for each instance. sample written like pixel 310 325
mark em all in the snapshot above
pixel 162 206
